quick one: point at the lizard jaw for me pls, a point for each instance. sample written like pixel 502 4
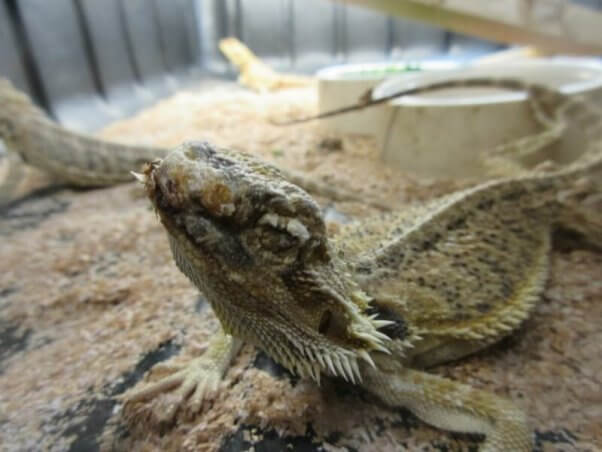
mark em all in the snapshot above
pixel 309 357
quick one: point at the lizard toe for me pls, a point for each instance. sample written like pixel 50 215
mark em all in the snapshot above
pixel 192 383
pixel 204 389
pixel 151 390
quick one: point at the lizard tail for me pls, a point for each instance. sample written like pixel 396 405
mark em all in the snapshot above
pixel 549 104
pixel 589 162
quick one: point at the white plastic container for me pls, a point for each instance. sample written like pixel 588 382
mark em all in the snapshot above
pixel 339 86
pixel 442 133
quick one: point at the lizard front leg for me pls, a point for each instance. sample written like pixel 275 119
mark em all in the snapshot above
pixel 195 380
pixel 453 406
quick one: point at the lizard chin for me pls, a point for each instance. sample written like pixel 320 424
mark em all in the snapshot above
pixel 310 361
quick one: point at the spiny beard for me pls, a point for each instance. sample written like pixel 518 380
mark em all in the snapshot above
pixel 307 359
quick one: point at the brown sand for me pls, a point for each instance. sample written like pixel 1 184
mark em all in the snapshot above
pixel 90 299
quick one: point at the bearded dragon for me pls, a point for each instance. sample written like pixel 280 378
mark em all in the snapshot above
pixel 386 298
pixel 254 73
pixel 80 160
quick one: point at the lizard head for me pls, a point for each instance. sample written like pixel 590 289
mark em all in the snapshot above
pixel 256 246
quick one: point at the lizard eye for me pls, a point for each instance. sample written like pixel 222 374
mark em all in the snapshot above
pixel 277 240
pixel 279 233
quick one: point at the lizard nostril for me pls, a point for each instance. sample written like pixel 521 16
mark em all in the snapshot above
pixel 325 322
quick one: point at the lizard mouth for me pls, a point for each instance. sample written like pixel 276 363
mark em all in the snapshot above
pixel 162 195
pixel 163 190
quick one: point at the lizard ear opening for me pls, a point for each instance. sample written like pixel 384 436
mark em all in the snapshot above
pixel 325 322
pixel 333 326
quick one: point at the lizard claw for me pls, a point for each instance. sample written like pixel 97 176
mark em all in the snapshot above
pixel 195 382
pixel 204 388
